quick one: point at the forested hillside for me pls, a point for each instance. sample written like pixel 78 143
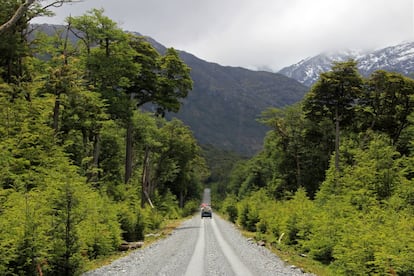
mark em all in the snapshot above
pixel 334 182
pixel 82 168
pixel 225 102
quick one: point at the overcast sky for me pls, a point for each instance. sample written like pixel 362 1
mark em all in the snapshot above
pixel 258 34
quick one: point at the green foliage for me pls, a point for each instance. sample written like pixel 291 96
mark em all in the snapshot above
pixel 334 93
pixel 359 217
pixel 131 218
pixel 174 81
pixel 101 232
pixel 167 205
pixel 24 239
pixel 183 157
pixel 248 217
pixel 190 207
pixel 64 116
pixel 389 103
pixel 220 163
pixel 229 207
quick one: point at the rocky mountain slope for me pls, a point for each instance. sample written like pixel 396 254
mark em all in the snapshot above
pixel 398 58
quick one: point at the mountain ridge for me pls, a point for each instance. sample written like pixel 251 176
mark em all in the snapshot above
pixel 225 102
pixel 233 98
pixel 397 58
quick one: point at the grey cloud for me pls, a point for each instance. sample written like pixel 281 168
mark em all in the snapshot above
pixel 262 33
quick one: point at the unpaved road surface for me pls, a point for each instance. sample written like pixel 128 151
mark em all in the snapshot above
pixel 200 247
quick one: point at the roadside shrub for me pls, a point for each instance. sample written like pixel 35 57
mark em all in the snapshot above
pixel 101 232
pixel 327 229
pixel 153 219
pixel 300 211
pixel 167 205
pixel 377 243
pixel 229 207
pixel 190 208
pixel 262 226
pixel 248 217
pixel 132 221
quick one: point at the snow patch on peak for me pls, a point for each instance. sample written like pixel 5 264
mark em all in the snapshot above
pixel 397 58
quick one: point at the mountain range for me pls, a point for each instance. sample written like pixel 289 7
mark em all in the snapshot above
pixel 398 58
pixel 225 102
pixel 223 107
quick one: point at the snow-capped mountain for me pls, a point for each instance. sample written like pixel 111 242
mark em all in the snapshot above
pixel 399 58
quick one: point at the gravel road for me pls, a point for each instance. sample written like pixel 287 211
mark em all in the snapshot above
pixel 200 247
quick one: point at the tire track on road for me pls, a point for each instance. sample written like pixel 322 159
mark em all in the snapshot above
pixel 236 264
pixel 196 265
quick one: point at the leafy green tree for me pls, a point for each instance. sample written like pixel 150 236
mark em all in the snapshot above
pixel 111 68
pixel 130 65
pixel 388 103
pixel 142 90
pixel 25 139
pixel 257 175
pixel 111 159
pixel 174 82
pixel 334 96
pixel 62 147
pixel 186 164
pixel 62 76
pixel 78 113
pixel 290 145
pixel 163 81
pixel 43 197
pixel 288 124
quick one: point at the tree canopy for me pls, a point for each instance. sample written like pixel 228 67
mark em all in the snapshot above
pixel 339 204
pixel 70 128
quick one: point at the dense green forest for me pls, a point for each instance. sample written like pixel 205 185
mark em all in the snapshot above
pixel 334 181
pixel 82 167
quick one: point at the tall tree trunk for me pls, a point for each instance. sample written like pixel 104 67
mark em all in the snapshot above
pixel 92 172
pixel 181 199
pixel 107 46
pixel 96 148
pixel 145 179
pixel 63 69
pixel 128 153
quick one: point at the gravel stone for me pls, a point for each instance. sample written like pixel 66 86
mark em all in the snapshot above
pixel 171 256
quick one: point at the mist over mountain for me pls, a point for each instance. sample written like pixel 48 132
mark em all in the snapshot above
pixel 398 58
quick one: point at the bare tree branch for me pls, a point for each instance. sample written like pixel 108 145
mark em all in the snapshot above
pixel 24 7
pixel 58 4
pixel 16 16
